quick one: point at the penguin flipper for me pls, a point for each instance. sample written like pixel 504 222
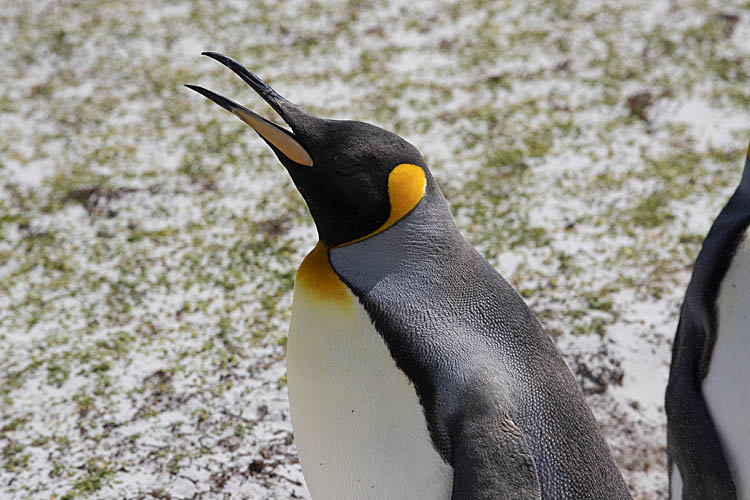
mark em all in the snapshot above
pixel 693 443
pixel 491 461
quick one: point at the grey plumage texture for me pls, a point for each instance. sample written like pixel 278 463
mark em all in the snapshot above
pixel 502 407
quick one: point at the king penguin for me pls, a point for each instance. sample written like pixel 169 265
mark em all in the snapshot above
pixel 414 370
pixel 707 399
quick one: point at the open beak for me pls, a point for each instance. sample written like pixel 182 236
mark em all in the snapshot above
pixel 280 139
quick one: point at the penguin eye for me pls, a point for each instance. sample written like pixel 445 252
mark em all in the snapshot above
pixel 345 164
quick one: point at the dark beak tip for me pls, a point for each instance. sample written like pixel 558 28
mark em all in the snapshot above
pixel 216 56
pixel 194 88
pixel 254 81
pixel 281 140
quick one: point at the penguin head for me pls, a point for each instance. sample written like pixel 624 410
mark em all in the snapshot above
pixel 356 178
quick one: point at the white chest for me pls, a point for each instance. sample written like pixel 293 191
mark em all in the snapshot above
pixel 725 388
pixel 358 424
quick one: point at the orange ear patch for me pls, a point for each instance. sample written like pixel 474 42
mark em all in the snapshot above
pixel 316 275
pixel 406 185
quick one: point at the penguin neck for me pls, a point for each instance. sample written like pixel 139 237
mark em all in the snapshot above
pixel 425 239
pixel 429 226
pixel 428 229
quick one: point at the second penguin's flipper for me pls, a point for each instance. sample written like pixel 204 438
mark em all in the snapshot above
pixel 692 440
pixel 491 460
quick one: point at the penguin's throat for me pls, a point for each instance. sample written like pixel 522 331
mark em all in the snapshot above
pixel 318 279
pixel 406 187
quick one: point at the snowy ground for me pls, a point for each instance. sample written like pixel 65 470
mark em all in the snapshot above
pixel 148 241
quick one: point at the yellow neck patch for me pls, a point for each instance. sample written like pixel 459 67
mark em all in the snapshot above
pixel 317 276
pixel 406 185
